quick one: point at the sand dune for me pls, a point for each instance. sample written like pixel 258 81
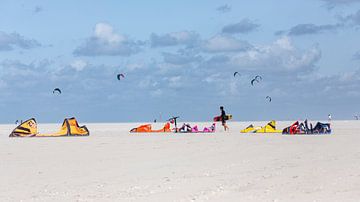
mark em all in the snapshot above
pixel 113 165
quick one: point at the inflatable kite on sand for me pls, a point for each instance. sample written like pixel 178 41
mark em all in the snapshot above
pixel 186 128
pixel 250 129
pixel 298 128
pixel 268 128
pixel 147 128
pixel 70 127
pixel 26 129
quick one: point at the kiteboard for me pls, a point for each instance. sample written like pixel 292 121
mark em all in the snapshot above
pixel 227 117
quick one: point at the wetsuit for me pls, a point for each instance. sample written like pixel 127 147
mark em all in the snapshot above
pixel 223 116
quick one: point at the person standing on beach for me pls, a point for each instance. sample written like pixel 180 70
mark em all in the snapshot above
pixel 223 118
pixel 329 117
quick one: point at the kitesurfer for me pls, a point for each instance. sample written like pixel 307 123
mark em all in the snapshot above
pixel 223 118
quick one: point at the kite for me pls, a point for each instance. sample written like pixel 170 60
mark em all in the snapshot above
pixel 119 76
pixel 268 97
pixel 57 90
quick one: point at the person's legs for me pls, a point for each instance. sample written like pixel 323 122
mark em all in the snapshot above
pixel 225 126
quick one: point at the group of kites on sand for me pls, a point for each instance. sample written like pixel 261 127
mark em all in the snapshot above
pixel 297 128
pixel 70 126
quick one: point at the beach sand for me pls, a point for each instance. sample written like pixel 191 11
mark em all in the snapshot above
pixel 114 165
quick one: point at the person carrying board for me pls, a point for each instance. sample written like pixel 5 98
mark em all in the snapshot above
pixel 223 118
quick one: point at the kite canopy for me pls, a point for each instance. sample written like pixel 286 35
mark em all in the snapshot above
pixel 250 128
pixel 26 129
pixel 269 98
pixel 298 128
pixel 57 90
pixel 70 127
pixel 119 76
pixel 257 78
pixel 252 81
pixel 186 128
pixel 268 128
pixel 147 128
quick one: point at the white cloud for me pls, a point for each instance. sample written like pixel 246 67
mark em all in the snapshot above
pixel 284 43
pixel 9 41
pixel 147 83
pixel 174 39
pixel 224 8
pixel 135 66
pixel 181 58
pixel 333 3
pixel 156 93
pixel 305 29
pixel 106 33
pixel 281 55
pixel 78 64
pixel 244 26
pixel 352 19
pixel 106 41
pixel 221 43
pixel 233 88
pixel 213 78
pixel 175 81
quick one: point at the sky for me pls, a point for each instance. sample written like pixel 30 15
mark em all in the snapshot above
pixel 179 58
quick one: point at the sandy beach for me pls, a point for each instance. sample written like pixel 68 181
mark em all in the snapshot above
pixel 110 65
pixel 114 165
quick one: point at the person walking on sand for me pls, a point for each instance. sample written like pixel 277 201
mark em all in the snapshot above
pixel 223 118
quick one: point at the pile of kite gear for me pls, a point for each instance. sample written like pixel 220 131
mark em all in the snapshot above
pixel 147 128
pixel 186 128
pixel 173 120
pixel 268 128
pixel 70 127
pixel 298 128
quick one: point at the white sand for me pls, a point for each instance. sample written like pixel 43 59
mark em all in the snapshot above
pixel 112 165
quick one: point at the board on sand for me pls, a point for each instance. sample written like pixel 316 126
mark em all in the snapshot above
pixel 218 118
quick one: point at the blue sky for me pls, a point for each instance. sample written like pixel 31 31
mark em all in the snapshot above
pixel 178 58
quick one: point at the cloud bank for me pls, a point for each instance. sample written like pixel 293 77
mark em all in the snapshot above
pixel 106 42
pixel 243 27
pixel 10 41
